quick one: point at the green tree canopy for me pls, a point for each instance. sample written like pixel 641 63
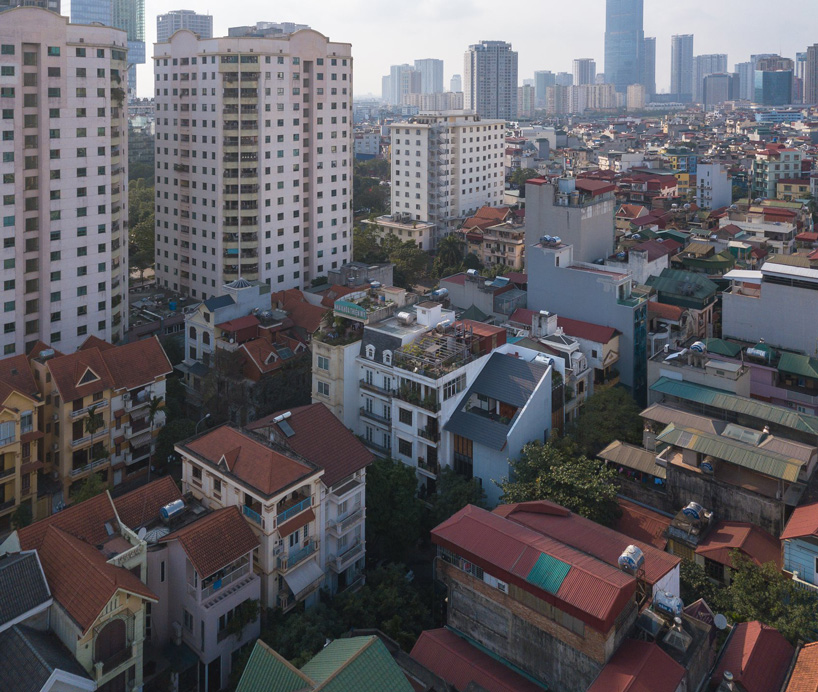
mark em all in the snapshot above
pixel 520 176
pixel 544 472
pixel 609 415
pixel 450 250
pixel 175 431
pixel 90 487
pixel 454 492
pixel 22 516
pixel 393 512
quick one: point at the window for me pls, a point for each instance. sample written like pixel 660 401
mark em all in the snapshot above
pixel 454 386
pixel 404 447
pixel 323 388
pixel 387 355
pixel 323 363
pixel 162 571
pixel 197 475
pixel 370 352
pixel 188 618
pixel 405 416
pixel 217 487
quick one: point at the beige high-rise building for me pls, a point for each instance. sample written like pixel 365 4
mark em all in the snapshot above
pixel 254 160
pixel 636 97
pixel 811 75
pixel 64 181
pixel 525 102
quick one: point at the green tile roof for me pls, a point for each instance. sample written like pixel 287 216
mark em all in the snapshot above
pixel 796 364
pixel 678 282
pixel 357 664
pixel 740 454
pixel 266 671
pixel 723 348
pixel 726 401
pixel 548 573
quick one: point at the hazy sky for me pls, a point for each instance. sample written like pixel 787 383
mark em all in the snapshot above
pixel 547 34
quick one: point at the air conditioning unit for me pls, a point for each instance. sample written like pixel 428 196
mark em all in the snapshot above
pixel 126 396
pixel 55 447
pixel 56 416
pixel 502 586
pixel 177 633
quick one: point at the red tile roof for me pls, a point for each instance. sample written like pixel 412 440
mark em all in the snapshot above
pixel 68 371
pixel 517 277
pixel 239 323
pixel 459 663
pixel 664 310
pixel 85 521
pixel 293 525
pixel 16 375
pixel 753 541
pixel 591 591
pixel 522 316
pixel 304 315
pixel 757 656
pixel 333 293
pixel 459 279
pixel 803 522
pixel 639 666
pixel 95 342
pixel 655 248
pixel 807 237
pixel 631 211
pixel 804 676
pixel 587 330
pixel 80 578
pixel 216 540
pixel 486 216
pixel 138 363
pixel 643 524
pixel 322 439
pixel 249 460
pixel 142 505
pixel 604 544
pixel 260 350
pixel 594 187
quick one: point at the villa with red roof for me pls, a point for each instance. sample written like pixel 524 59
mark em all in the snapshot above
pixel 799 543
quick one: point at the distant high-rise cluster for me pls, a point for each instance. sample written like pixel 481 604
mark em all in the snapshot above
pixel 170 23
pixel 681 66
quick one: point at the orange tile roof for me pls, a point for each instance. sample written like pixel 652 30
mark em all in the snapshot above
pixel 85 521
pixel 259 351
pixel 303 314
pixel 95 342
pixel 643 524
pixel 293 525
pixel 67 372
pixel 804 676
pixel 324 440
pixel 639 666
pixel 250 460
pixel 665 311
pixel 754 542
pixel 16 375
pixel 137 363
pixel 335 292
pixel 757 656
pixel 803 522
pixel 142 505
pixel 81 579
pixel 216 540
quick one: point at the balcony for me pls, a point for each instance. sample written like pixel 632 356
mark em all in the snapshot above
pixel 221 584
pixel 97 406
pixel 429 434
pixel 6 473
pixel 346 556
pixel 802 585
pixel 252 515
pixel 290 560
pixel 411 396
pixel 340 525
pixel 372 387
pixel 431 468
pixel 114 661
pixel 88 467
pixel 8 504
pixel 371 415
pixel 290 511
pixel 89 438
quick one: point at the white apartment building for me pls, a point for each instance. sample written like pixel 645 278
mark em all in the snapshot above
pixel 253 160
pixel 490 80
pixel 445 166
pixel 64 180
pixel 713 188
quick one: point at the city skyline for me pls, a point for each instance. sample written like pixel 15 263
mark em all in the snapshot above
pixel 445 31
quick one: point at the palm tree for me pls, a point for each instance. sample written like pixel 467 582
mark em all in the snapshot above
pixel 153 410
pixel 450 251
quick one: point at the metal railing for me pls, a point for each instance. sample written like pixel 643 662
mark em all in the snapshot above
pixel 225 581
pixel 431 435
pixel 342 524
pixel 251 514
pixel 89 438
pixel 366 413
pixel 351 552
pixel 286 562
pixel 97 405
pixel 88 467
pixel 297 508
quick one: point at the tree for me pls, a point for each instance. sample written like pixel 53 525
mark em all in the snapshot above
pixel 410 263
pixel 174 348
pixel 175 431
pixel 154 407
pixel 695 584
pixel 454 492
pixel 450 250
pixel 246 613
pixel 224 391
pixel 544 472
pixel 366 245
pixel 94 421
pixel 90 487
pixel 471 261
pixel 521 175
pixel 22 516
pixel 609 415
pixel 393 512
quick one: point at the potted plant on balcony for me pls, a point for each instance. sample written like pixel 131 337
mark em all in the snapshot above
pixel 244 614
pixel 94 421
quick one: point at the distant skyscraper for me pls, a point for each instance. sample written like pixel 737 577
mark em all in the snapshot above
pixel 395 73
pixel 542 80
pixel 648 70
pixel 624 38
pixel 386 88
pixel 53 5
pixel 703 65
pixel 681 66
pixel 716 89
pixel 90 11
pixel 490 77
pixel 584 71
pixel 173 21
pixel 811 75
pixel 774 81
pixel 431 75
pixel 746 80
pixel 456 83
pixel 564 79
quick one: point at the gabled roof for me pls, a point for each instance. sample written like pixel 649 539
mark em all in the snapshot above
pixel 321 438
pixel 665 311
pixel 601 542
pixel 631 211
pixel 757 656
pixel 678 282
pixel 303 314
pixel 639 666
pixel 23 586
pixel 80 374
pixel 248 459
pixel 216 302
pixel 29 658
pixel 138 363
pixel 94 341
pixel 803 522
pixel 643 524
pixel 760 546
pixel 85 520
pixel 804 677
pixel 589 331
pixel 459 663
pixel 216 540
pixel 336 292
pixel 142 505
pixel 798 364
pixel 266 671
pixel 633 457
pixel 577 583
pixel 239 323
pixel 15 374
pixel 81 579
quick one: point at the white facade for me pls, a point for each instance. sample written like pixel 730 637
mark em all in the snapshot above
pixel 446 166
pixel 713 188
pixel 584 70
pixel 431 75
pixel 490 80
pixel 260 186
pixel 64 181
pixel 168 24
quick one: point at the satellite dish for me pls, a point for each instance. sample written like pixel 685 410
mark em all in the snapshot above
pixel 720 621
pixel 141 533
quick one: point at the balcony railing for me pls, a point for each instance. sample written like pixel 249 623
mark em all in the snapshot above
pixel 97 406
pixel 225 581
pixel 251 514
pixel 372 387
pixel 7 504
pixel 297 508
pixel 287 562
pixel 431 467
pixel 371 415
pixel 117 659
pixel 88 467
pixel 343 524
pixel 5 473
pixel 429 434
pixel 341 560
pixel 89 438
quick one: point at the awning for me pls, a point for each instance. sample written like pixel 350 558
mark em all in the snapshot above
pixel 296 523
pixel 303 577
pixel 140 440
pixel 139 413
pixel 119 413
pixel 31 436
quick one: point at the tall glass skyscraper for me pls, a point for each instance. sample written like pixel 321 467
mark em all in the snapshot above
pixel 624 39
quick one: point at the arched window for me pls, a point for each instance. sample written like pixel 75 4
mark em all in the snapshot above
pixel 206 338
pixel 370 352
pixel 110 641
pixel 193 333
pixel 387 357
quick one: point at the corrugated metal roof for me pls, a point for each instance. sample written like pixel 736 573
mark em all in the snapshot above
pixel 803 522
pixel 266 670
pixel 548 573
pixel 798 364
pixel 717 398
pixel 633 457
pixel 508 379
pixel 664 414
pixel 746 456
pixel 723 348
pixel 639 666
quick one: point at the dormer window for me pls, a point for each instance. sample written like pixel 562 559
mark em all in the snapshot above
pixel 88 377
pixel 370 352
pixel 387 357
